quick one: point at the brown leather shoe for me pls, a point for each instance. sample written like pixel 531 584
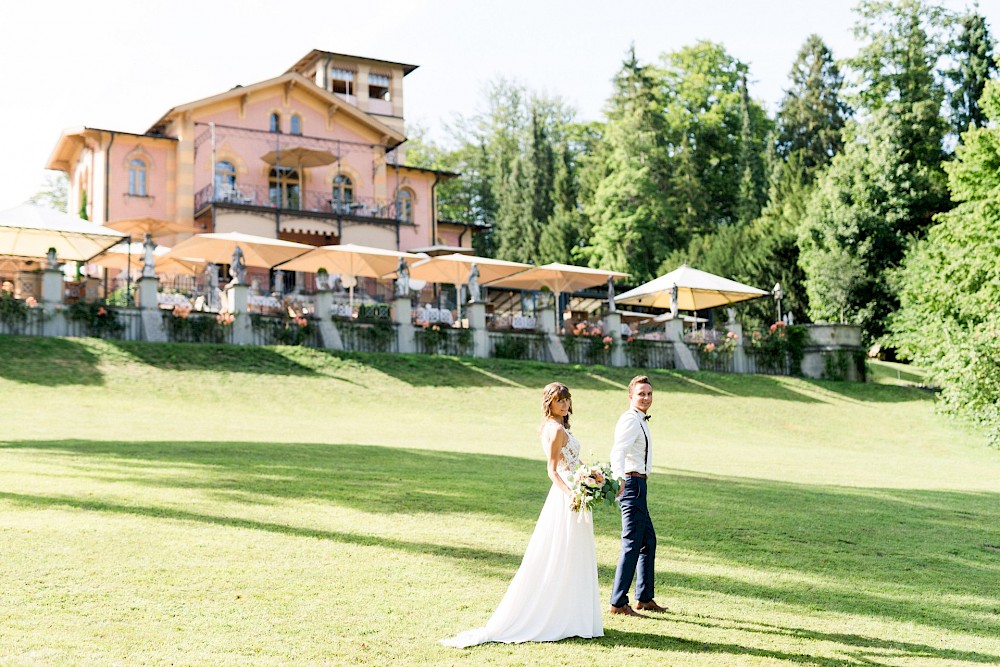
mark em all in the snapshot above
pixel 625 610
pixel 650 606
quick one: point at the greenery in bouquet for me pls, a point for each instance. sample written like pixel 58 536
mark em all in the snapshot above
pixel 593 485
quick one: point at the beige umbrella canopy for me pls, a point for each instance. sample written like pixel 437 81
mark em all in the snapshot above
pixel 350 260
pixel 558 278
pixel 299 156
pixel 131 255
pixel 696 290
pixel 139 227
pixel 29 231
pixel 258 251
pixel 454 269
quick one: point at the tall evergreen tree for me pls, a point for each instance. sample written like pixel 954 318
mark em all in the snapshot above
pixel 714 132
pixel 812 112
pixel 631 221
pixel 974 65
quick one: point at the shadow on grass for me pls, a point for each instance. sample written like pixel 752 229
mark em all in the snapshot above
pixel 48 361
pixel 213 357
pixel 923 557
pixel 860 650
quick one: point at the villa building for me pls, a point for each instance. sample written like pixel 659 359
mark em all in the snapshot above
pixel 316 155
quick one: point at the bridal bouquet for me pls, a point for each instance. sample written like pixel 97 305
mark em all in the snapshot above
pixel 592 485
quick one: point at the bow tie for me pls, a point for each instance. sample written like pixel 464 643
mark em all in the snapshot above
pixel 646 417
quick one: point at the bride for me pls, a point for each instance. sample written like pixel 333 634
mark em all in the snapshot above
pixel 554 594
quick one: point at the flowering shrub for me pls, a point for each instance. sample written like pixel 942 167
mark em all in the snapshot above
pixel 719 349
pixel 588 339
pixel 13 312
pixel 185 326
pixel 779 349
pixel 97 320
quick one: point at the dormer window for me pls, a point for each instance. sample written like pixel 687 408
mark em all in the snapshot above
pixel 275 125
pixel 378 87
pixel 342 81
pixel 296 127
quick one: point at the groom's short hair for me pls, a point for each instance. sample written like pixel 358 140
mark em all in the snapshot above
pixel 638 379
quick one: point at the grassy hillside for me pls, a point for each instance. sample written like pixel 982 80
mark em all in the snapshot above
pixel 225 506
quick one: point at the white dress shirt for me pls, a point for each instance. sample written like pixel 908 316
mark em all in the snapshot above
pixel 629 453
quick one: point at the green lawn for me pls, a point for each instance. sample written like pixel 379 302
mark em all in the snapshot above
pixel 211 505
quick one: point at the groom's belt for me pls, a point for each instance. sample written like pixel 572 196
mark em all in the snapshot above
pixel 635 474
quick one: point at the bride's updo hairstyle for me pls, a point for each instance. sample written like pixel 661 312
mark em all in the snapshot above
pixel 553 392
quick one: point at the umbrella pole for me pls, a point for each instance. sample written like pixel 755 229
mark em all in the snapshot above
pixel 128 272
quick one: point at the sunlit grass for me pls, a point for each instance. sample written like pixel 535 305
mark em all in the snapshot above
pixel 216 506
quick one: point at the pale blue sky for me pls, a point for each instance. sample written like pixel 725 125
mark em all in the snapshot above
pixel 120 64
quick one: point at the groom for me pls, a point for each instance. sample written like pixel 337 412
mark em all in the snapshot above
pixel 631 460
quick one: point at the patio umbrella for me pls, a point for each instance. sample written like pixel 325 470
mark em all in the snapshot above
pixel 128 255
pixel 299 156
pixel 558 278
pixel 454 269
pixel 29 231
pixel 258 251
pixel 139 227
pixel 696 290
pixel 350 260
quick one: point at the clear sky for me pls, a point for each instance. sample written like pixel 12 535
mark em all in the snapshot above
pixel 121 64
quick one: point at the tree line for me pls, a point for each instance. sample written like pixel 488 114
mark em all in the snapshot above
pixel 870 194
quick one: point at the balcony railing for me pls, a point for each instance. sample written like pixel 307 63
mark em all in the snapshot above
pixel 314 201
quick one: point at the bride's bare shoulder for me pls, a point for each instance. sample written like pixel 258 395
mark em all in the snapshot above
pixel 554 431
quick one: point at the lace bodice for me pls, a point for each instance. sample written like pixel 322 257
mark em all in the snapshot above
pixel 570 459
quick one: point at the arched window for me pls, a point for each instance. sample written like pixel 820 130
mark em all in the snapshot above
pixel 296 124
pixel 343 194
pixel 405 203
pixel 275 122
pixel 284 187
pixel 137 177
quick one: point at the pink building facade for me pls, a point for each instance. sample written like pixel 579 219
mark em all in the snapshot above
pixel 316 155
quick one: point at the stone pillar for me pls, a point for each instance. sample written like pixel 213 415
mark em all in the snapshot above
pixel 146 293
pixel 547 325
pixel 52 287
pixel 740 353
pixel 150 316
pixel 476 312
pixel 238 299
pixel 613 328
pixel 328 332
pixel 683 358
pixel 51 301
pixel 402 312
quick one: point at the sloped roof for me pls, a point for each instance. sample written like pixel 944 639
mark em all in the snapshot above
pixel 393 137
pixel 316 54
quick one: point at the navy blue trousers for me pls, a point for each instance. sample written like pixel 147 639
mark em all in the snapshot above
pixel 638 545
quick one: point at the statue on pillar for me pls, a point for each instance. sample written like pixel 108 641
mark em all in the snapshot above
pixel 612 308
pixel 148 257
pixel 674 295
pixel 279 282
pixel 474 294
pixel 402 278
pixel 238 269
pixel 212 286
pixel 50 256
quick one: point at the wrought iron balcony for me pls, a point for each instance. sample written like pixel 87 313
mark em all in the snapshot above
pixel 309 201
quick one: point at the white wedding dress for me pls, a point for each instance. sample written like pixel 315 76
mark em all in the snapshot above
pixel 554 594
